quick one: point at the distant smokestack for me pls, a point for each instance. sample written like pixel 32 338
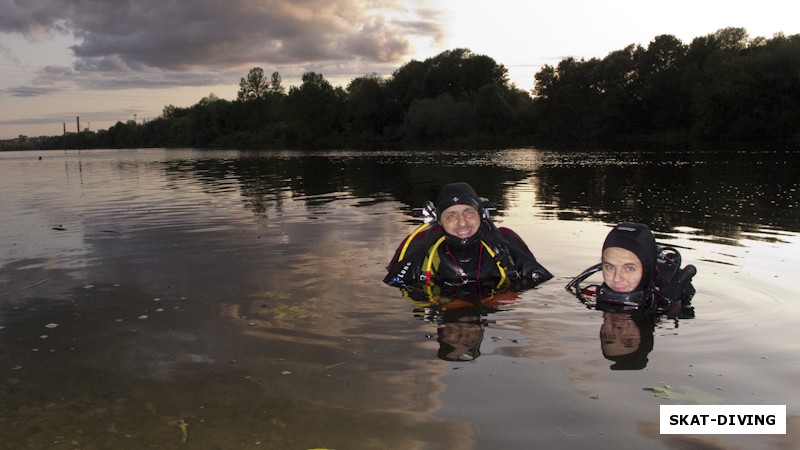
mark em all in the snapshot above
pixel 65 127
pixel 78 119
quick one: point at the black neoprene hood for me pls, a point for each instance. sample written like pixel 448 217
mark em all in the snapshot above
pixel 457 194
pixel 636 238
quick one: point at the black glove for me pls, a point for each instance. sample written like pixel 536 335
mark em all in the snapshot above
pixel 515 255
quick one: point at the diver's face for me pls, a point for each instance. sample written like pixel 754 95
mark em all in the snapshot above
pixel 461 221
pixel 622 270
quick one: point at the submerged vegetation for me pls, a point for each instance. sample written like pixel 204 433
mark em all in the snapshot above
pixel 723 86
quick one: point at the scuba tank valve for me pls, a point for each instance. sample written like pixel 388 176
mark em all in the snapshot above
pixel 427 212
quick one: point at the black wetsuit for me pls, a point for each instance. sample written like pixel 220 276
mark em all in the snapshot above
pixel 494 256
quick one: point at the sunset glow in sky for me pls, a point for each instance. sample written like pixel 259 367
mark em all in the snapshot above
pixel 108 61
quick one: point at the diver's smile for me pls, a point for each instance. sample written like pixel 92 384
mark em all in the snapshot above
pixel 461 221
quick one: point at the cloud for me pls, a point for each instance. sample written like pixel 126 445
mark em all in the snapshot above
pixel 28 91
pixel 120 44
pixel 181 35
pixel 8 54
pixel 33 19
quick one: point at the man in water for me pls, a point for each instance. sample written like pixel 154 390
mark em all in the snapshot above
pixel 637 274
pixel 463 246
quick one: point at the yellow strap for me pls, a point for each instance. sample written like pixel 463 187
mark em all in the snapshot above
pixel 411 238
pixel 432 252
pixel 502 271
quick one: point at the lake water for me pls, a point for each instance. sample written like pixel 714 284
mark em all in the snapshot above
pixel 224 299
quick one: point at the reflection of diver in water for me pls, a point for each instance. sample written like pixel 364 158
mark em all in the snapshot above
pixel 460 340
pixel 460 315
pixel 626 339
pixel 457 267
pixel 642 282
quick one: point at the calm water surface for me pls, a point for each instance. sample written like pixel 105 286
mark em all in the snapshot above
pixel 224 299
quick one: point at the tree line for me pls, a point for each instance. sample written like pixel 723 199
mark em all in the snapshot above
pixel 723 86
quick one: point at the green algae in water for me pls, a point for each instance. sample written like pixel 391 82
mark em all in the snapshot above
pixel 687 394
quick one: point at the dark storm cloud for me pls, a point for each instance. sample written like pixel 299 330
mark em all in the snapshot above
pixel 31 18
pixel 28 91
pixel 119 35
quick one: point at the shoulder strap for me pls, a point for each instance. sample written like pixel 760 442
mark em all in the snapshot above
pixel 497 261
pixel 432 259
pixel 410 238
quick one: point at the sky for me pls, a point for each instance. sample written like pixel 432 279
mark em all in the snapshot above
pixel 118 60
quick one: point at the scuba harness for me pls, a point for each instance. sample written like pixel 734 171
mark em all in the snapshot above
pixel 487 238
pixel 594 293
pixel 433 237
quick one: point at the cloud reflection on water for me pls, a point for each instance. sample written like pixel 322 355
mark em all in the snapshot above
pixel 208 233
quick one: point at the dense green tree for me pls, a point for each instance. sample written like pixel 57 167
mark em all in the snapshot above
pixel 209 121
pixel 618 108
pixel 665 102
pixel 275 85
pixel 253 87
pixel 405 85
pixel 777 65
pixel 522 122
pixel 169 112
pixel 749 91
pixel 569 104
pixel 459 72
pixel 366 105
pixel 456 72
pixel 315 110
pixel 477 91
pixel 123 135
pixel 443 117
pixel 721 86
pixel 492 111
